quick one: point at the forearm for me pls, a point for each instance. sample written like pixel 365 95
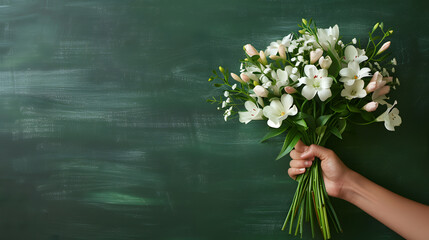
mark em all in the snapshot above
pixel 406 217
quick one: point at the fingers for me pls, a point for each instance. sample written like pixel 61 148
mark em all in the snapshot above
pixel 316 151
pixel 300 146
pixel 298 167
pixel 293 172
pixel 300 163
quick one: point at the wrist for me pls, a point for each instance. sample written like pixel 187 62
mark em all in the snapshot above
pixel 349 185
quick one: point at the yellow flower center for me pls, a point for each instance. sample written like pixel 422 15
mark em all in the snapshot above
pixel 355 77
pixel 283 113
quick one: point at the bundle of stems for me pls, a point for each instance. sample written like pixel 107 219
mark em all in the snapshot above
pixel 311 202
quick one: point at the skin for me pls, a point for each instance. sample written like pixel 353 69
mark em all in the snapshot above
pixel 408 218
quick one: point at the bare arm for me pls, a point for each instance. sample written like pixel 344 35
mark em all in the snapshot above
pixel 408 218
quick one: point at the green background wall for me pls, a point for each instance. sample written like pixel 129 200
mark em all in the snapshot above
pixel 105 133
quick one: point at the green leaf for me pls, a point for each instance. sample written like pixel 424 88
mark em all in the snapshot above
pixel 320 131
pixel 309 120
pixel 353 108
pixel 301 123
pixel 322 120
pixel 218 85
pixel 367 116
pixel 339 107
pixel 274 132
pixel 255 58
pixel 342 124
pixel 335 67
pixel 336 132
pixel 291 139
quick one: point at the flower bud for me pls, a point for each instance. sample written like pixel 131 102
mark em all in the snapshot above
pixel 236 77
pixel 210 79
pixel 282 52
pixel 221 69
pixel 244 77
pixel 384 90
pixel 383 48
pixel 304 21
pixel 325 63
pixel 370 107
pixel 250 50
pixel 315 55
pixel 260 91
pixel 262 59
pixel 290 90
pixel 256 83
pixel 375 27
pixel 302 31
pixel 371 87
pixel 275 57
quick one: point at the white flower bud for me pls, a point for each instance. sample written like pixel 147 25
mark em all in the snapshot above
pixel 383 48
pixel 354 41
pixel 260 91
pixel 236 77
pixel 315 55
pixel 250 50
pixel 244 77
pixel 226 94
pixel 325 63
pixel 370 107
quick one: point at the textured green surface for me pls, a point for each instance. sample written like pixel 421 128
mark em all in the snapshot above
pixel 105 133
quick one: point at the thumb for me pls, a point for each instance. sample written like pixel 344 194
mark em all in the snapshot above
pixel 316 151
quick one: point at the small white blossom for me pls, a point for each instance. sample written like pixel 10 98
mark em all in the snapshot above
pixel 293 59
pixel 354 54
pixel 393 70
pixel 234 86
pixel 278 111
pixel 390 117
pixel 393 61
pixel 397 81
pixel 227 114
pixel 253 113
pixel 274 46
pixel 300 58
pixel 316 82
pixel 226 94
pixel 340 42
pixel 353 72
pixel 224 104
pixel 354 91
pixel 228 100
pixel 354 41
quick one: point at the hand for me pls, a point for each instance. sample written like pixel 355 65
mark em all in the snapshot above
pixel 334 170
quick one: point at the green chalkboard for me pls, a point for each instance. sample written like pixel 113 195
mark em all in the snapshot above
pixel 105 132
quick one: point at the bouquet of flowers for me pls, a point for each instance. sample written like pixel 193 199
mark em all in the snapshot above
pixel 312 86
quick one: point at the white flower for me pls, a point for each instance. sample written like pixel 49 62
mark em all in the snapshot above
pixel 354 91
pixel 224 104
pixel 315 55
pixel 390 117
pixel 317 81
pixel 353 73
pixel 354 41
pixel 394 61
pixel 279 111
pixel 353 54
pixel 234 86
pixel 328 37
pixel 227 114
pixel 274 46
pixel 281 77
pixel 226 94
pixel 228 100
pixel 253 113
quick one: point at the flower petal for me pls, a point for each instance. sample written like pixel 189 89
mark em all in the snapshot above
pixel 287 101
pixel 324 94
pixel 274 124
pixel 308 92
pixel 310 71
pixel 350 53
pixel 245 117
